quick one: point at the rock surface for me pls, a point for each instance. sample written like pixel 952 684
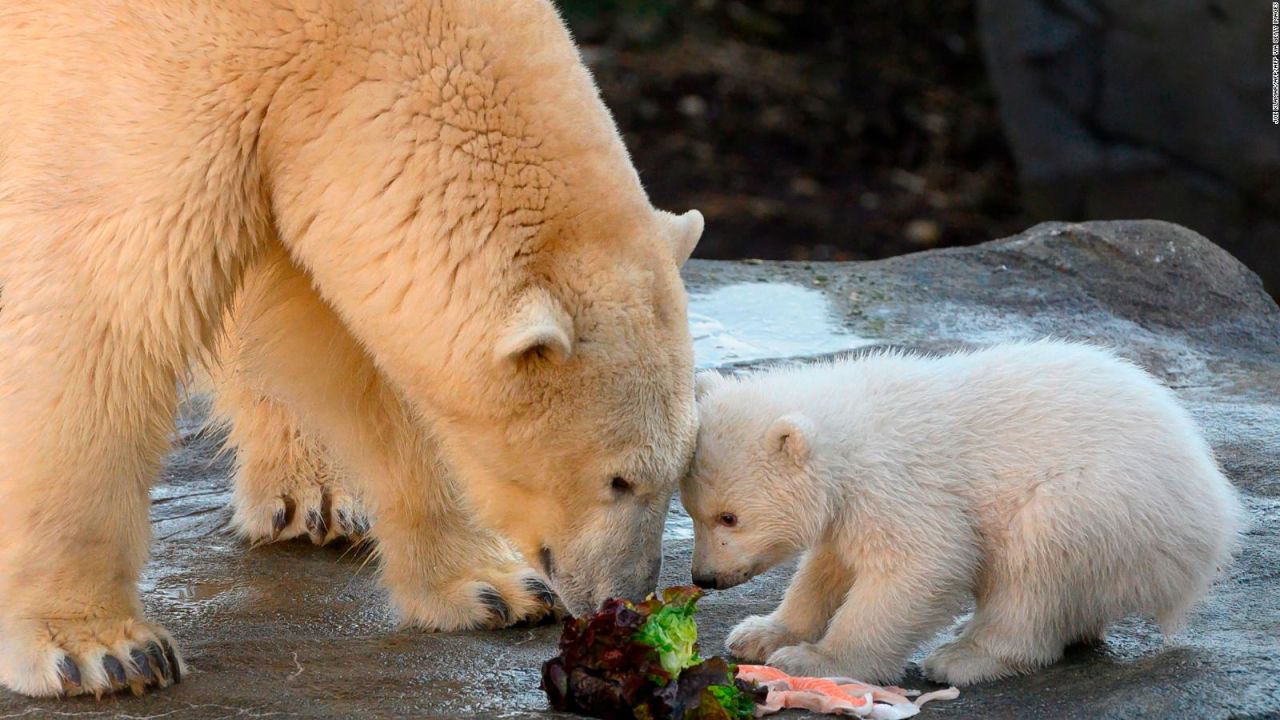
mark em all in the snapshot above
pixel 292 631
pixel 1117 108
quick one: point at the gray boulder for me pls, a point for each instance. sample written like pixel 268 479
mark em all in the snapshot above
pixel 293 631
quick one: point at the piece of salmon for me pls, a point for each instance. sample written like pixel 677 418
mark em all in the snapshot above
pixel 837 696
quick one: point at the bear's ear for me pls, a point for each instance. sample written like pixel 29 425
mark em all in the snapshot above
pixel 789 435
pixel 539 327
pixel 683 232
pixel 706 382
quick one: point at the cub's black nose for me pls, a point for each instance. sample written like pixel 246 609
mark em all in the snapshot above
pixel 706 582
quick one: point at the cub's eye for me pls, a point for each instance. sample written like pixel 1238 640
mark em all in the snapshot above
pixel 621 485
pixel 727 519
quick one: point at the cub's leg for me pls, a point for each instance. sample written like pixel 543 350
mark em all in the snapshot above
pixel 87 402
pixel 904 591
pixel 443 571
pixel 818 588
pixel 286 485
pixel 1015 629
pixel 1032 601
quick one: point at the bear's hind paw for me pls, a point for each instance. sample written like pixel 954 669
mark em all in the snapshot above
pixel 321 513
pixel 962 663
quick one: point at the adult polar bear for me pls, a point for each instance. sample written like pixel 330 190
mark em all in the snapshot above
pixel 486 265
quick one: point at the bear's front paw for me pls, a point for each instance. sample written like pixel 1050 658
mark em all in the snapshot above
pixel 484 599
pixel 963 662
pixel 96 657
pixel 757 637
pixel 322 513
pixel 805 659
pixel 814 660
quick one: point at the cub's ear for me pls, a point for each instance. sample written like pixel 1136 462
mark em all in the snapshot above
pixel 706 382
pixel 683 232
pixel 539 327
pixel 789 435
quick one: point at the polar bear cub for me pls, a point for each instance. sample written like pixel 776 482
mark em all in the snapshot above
pixel 1062 487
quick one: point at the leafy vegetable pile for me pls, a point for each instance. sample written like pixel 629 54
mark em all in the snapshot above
pixel 641 661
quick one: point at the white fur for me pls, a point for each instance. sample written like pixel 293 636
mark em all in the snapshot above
pixel 1062 487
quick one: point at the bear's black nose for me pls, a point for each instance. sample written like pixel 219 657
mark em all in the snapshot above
pixel 706 582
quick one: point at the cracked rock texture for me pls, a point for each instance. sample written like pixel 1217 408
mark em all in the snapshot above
pixel 293 631
pixel 1134 108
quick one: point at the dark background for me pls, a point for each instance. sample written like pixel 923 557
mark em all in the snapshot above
pixel 839 129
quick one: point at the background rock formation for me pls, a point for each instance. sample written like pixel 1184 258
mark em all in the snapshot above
pixel 815 130
pixel 1121 109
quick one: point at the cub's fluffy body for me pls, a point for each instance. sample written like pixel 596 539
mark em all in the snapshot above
pixel 439 256
pixel 1061 487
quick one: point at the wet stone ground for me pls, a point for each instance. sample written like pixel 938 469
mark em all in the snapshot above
pixel 294 631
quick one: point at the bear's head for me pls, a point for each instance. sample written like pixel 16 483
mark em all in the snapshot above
pixel 501 258
pixel 586 421
pixel 752 490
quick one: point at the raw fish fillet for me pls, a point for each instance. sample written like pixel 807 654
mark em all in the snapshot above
pixel 837 696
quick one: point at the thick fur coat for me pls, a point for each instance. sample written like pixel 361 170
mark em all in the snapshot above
pixel 1059 486
pixel 442 278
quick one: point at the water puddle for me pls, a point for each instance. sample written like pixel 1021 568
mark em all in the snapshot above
pixel 196 591
pixel 764 321
pixel 758 321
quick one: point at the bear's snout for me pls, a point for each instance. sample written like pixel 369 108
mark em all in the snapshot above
pixel 706 582
pixel 720 582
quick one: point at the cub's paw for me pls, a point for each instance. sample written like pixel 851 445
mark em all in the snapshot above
pixel 484 599
pixel 90 657
pixel 963 662
pixel 757 637
pixel 806 659
pixel 320 512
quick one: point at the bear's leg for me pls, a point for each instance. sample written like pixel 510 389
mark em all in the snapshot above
pixel 86 409
pixel 1015 629
pixel 286 484
pixel 817 589
pixel 900 596
pixel 443 571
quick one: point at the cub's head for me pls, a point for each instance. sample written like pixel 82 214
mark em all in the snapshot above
pixel 751 490
pixel 590 418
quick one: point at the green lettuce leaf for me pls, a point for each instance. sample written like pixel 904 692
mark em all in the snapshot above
pixel 737 704
pixel 672 632
pixel 639 661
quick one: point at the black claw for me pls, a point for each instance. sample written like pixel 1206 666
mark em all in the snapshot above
pixel 539 589
pixel 69 672
pixel 160 662
pixel 326 511
pixel 317 526
pixel 361 525
pixel 139 659
pixel 115 670
pixel 290 507
pixel 172 657
pixel 497 604
pixel 278 523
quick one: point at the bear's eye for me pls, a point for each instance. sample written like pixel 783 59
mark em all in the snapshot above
pixel 727 519
pixel 621 485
